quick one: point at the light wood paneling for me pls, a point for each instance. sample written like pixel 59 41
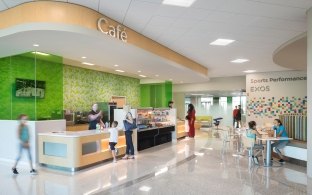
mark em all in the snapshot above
pixel 66 13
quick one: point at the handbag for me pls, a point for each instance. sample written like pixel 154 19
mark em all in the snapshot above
pixel 130 126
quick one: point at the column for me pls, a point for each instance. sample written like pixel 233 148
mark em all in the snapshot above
pixel 309 93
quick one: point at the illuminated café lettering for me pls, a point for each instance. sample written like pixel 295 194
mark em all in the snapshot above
pixel 117 32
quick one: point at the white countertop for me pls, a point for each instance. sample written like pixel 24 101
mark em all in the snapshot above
pixel 274 138
pixel 75 133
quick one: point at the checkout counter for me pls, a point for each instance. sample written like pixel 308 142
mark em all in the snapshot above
pixel 76 150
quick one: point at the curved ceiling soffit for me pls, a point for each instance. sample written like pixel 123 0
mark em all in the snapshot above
pixel 73 14
pixel 293 53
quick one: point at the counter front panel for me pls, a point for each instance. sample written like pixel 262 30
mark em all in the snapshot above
pixel 75 150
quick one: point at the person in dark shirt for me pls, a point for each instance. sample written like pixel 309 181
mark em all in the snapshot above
pixel 234 115
pixel 239 117
pixel 94 117
pixel 170 104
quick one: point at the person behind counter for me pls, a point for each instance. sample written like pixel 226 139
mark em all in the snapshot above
pixel 113 139
pixel 94 117
pixel 170 104
pixel 280 132
pixel 130 125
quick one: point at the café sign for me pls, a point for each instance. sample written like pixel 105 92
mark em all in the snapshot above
pixel 117 32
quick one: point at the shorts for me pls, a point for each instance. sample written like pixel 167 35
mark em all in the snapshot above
pixel 112 145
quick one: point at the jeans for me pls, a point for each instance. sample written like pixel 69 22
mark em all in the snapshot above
pixel 129 143
pixel 21 147
pixel 279 145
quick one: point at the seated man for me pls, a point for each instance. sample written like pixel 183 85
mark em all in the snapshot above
pixel 280 132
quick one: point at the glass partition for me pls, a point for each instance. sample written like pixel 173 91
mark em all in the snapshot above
pixel 32 84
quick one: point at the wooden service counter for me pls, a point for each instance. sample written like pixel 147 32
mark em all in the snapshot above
pixel 76 150
pixel 180 129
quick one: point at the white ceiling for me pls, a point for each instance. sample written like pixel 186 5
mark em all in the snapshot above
pixel 258 26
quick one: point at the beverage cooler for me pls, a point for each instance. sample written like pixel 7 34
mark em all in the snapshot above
pixel 107 109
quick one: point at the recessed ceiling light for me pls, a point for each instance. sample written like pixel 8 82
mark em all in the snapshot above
pixel 116 65
pixel 145 188
pixel 87 63
pixel 36 45
pixel 40 53
pixel 222 42
pixel 181 3
pixel 139 70
pixel 249 71
pixel 156 75
pixel 83 57
pixel 239 60
pixel 141 75
pixel 119 71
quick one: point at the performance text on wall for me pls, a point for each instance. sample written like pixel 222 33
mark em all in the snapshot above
pixel 262 87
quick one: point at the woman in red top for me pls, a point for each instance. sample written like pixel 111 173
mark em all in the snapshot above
pixel 191 120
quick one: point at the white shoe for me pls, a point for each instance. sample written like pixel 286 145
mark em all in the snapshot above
pixel 114 161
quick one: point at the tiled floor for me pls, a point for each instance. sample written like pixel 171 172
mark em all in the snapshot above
pixel 194 166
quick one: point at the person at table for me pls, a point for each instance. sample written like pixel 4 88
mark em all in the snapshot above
pixel 253 133
pixel 94 117
pixel 280 132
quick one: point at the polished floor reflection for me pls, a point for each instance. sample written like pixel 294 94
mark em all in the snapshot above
pixel 190 166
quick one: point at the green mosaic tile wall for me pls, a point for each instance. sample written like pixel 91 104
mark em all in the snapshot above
pixel 82 87
pixel 23 66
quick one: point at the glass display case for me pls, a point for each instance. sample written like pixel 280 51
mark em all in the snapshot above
pixel 154 117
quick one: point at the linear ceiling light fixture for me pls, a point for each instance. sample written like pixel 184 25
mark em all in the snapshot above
pixel 239 60
pixel 181 3
pixel 249 71
pixel 87 63
pixel 141 75
pixel 222 42
pixel 40 53
pixel 119 71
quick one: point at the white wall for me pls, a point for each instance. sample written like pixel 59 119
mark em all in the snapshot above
pixel 179 104
pixel 214 84
pixel 10 143
pixel 309 70
pixel 267 95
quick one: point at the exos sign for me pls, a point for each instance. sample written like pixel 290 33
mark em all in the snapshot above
pixel 117 32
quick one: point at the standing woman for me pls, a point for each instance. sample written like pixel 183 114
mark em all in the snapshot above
pixel 191 120
pixel 130 125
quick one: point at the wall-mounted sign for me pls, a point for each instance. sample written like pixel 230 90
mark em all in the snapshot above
pixel 117 32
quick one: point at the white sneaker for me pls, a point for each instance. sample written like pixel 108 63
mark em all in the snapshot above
pixel 114 161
